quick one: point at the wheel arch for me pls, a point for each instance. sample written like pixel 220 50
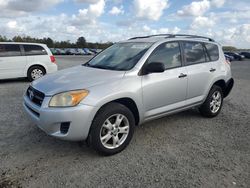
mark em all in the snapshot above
pixel 129 103
pixel 28 67
pixel 225 86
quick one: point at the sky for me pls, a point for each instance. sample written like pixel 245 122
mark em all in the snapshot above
pixel 227 21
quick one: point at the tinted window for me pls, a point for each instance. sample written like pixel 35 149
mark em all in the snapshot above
pixel 194 52
pixel 34 50
pixel 7 50
pixel 167 53
pixel 213 51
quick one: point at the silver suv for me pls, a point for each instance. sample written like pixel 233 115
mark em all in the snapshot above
pixel 129 83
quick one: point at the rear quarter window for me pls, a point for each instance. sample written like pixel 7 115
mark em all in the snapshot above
pixel 9 50
pixel 34 50
pixel 213 51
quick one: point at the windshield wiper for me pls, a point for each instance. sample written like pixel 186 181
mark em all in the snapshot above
pixel 98 66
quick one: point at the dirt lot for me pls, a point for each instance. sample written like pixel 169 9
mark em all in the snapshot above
pixel 182 150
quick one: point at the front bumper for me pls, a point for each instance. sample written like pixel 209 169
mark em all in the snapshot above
pixel 51 120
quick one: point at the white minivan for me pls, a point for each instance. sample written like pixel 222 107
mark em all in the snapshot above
pixel 31 60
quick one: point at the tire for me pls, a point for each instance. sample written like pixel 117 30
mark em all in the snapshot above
pixel 213 103
pixel 106 125
pixel 35 72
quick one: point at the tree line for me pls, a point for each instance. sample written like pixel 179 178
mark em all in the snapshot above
pixel 80 42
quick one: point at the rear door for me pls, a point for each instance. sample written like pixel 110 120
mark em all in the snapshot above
pixel 12 62
pixel 36 54
pixel 199 71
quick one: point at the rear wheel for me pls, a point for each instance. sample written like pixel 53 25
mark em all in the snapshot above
pixel 112 129
pixel 213 103
pixel 35 72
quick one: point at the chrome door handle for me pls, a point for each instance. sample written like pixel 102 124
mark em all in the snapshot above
pixel 182 75
pixel 212 70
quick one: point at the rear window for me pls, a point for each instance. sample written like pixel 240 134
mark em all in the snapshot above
pixel 34 50
pixel 194 53
pixel 213 51
pixel 8 50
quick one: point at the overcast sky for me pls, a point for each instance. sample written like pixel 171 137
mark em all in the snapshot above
pixel 227 21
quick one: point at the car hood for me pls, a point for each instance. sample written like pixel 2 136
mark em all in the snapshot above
pixel 79 77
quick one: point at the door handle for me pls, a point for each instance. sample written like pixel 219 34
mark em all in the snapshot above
pixel 182 75
pixel 212 70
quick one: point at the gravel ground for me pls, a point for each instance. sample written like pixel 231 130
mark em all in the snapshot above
pixel 181 150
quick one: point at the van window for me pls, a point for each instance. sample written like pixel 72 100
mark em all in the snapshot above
pixel 34 50
pixel 167 53
pixel 194 53
pixel 213 51
pixel 8 50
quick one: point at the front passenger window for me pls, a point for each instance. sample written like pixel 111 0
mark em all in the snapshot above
pixel 167 53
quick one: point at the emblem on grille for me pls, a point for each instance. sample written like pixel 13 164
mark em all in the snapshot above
pixel 31 95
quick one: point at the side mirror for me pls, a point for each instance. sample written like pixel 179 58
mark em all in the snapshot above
pixel 155 67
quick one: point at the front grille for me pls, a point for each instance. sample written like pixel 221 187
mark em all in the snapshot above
pixel 35 96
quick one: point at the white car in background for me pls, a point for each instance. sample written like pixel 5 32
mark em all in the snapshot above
pixel 31 60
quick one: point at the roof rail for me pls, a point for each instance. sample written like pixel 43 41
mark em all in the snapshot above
pixel 192 36
pixel 173 36
pixel 148 36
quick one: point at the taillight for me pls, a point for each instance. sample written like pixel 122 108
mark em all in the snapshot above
pixel 52 59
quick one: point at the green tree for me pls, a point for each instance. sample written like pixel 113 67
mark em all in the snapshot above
pixel 229 48
pixel 3 38
pixel 17 39
pixel 81 42
pixel 49 42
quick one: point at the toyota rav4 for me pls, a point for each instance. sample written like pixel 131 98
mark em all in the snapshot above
pixel 129 83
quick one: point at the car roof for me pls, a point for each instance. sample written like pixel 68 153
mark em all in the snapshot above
pixel 169 37
pixel 29 43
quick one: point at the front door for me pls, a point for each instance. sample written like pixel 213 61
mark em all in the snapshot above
pixel 163 92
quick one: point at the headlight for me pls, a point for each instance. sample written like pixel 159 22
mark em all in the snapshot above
pixel 67 99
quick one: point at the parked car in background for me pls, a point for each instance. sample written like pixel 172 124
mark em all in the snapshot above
pixel 235 55
pixel 81 51
pixel 70 51
pixel 245 54
pixel 53 51
pixel 229 58
pixel 93 50
pixel 61 51
pixel 130 83
pixel 31 60
pixel 88 52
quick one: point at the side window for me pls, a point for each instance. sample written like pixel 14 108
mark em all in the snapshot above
pixel 8 50
pixel 167 53
pixel 34 50
pixel 194 53
pixel 213 51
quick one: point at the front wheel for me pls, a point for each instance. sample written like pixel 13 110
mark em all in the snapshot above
pixel 213 103
pixel 112 129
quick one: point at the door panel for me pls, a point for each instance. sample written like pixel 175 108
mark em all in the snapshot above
pixel 199 77
pixel 163 89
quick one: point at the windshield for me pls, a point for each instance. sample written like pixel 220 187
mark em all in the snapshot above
pixel 120 56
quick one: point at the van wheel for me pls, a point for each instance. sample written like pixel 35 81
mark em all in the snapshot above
pixel 213 103
pixel 112 129
pixel 35 72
